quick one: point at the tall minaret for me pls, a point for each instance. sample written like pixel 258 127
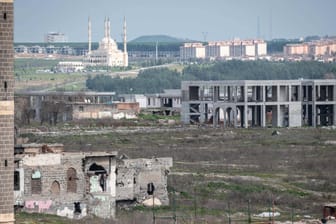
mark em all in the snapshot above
pixel 7 114
pixel 105 27
pixel 89 35
pixel 108 30
pixel 125 44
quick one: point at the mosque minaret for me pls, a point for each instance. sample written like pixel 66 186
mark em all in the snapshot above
pixel 107 53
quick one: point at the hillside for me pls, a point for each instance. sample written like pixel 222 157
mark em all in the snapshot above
pixel 157 38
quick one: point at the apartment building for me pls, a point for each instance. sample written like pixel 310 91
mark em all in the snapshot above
pixel 224 49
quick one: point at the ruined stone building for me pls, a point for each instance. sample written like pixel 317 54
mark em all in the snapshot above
pixel 261 103
pixel 56 107
pixel 77 184
pixel 6 111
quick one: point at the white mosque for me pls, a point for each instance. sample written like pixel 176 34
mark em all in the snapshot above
pixel 107 53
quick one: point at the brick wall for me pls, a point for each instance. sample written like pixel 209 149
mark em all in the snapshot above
pixel 6 112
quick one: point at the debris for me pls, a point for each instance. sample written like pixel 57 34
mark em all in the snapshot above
pixel 268 214
pixel 275 132
pixel 149 202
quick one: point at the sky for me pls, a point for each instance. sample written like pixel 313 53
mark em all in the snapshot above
pixel 187 19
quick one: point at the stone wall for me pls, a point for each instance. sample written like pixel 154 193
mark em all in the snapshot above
pixel 6 112
pixel 134 175
pixel 56 183
pixel 77 184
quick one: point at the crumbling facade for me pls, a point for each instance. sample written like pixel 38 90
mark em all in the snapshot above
pixel 262 103
pixel 77 184
pixel 6 111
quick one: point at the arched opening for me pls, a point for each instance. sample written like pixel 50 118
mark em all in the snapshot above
pixel 98 178
pixel 55 188
pixel 71 180
pixel 219 116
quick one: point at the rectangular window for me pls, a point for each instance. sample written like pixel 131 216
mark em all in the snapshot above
pixel 16 180
pixel 36 186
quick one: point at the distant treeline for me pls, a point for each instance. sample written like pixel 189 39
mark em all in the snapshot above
pixel 155 80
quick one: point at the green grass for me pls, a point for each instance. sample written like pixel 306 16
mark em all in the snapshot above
pixel 155 117
pixel 35 218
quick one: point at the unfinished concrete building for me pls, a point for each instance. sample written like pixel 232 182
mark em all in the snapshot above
pixel 259 103
pixel 77 184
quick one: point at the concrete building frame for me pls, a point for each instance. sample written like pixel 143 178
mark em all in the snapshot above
pixel 259 103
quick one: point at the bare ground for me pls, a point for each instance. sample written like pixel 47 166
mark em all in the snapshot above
pixel 291 173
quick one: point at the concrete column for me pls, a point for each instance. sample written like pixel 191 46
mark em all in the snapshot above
pixel 245 116
pixel 202 113
pixel 307 114
pixel 278 116
pixel 300 98
pixel 214 117
pixel 263 93
pixel 314 106
pixel 224 121
pixel 263 116
pixel 289 93
pixel 278 93
pixel 253 93
pixel 234 108
pixel 235 94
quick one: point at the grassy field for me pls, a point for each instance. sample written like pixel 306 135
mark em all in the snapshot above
pixel 253 171
pixel 37 74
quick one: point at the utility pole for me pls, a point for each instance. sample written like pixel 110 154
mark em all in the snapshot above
pixel 229 212
pixel 174 208
pixel 205 34
pixel 249 211
pixel 156 52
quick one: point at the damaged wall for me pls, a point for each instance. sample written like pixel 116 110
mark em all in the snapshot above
pixel 59 183
pixel 78 184
pixel 133 176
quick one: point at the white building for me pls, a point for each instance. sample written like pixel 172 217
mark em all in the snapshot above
pixel 192 50
pixel 224 49
pixel 217 49
pixel 70 66
pixel 107 53
pixel 55 37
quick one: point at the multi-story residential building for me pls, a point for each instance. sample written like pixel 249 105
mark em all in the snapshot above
pixel 218 49
pixel 263 103
pixel 192 51
pixel 296 49
pixel 224 49
pixel 55 37
pixel 313 49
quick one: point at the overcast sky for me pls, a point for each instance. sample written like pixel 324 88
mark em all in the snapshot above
pixel 192 19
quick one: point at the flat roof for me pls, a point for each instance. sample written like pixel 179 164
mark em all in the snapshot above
pixel 260 82
pixel 55 93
